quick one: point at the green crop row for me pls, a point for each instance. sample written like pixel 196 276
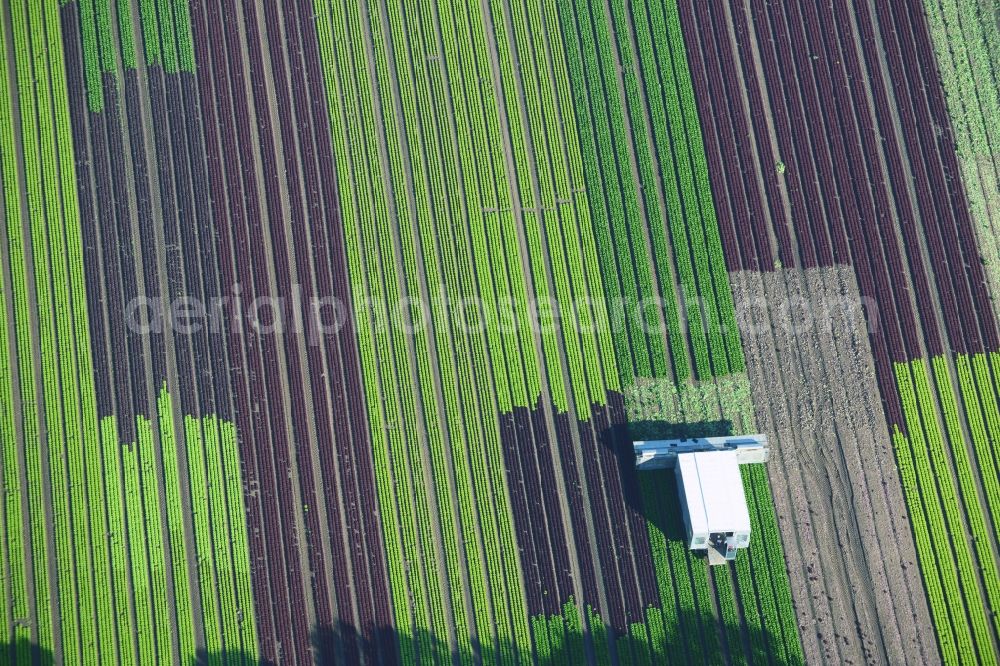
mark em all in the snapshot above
pixel 974 513
pixel 117 534
pixel 408 356
pixel 722 310
pixel 238 539
pixel 633 647
pixel 135 519
pixel 697 250
pixel 10 502
pixel 151 501
pixel 657 634
pixel 767 564
pixel 141 542
pixel 231 539
pixel 489 477
pixel 532 215
pixel 571 179
pixel 682 592
pixel 948 495
pixel 553 634
pixel 540 636
pixel 752 613
pixel 412 517
pixel 559 639
pixel 411 615
pixel 406 131
pixel 671 151
pixel 164 27
pixel 100 527
pixel 569 238
pixel 441 263
pixel 416 231
pixel 605 207
pixel 87 481
pixel 458 282
pixel 619 224
pixel 125 37
pixel 18 499
pixel 167 36
pixel 465 175
pixel 106 525
pixel 491 231
pixel 979 397
pixel 149 18
pixel 963 580
pixel 690 266
pixel 924 459
pixel 966 40
pixel 729 613
pixel 210 607
pixel 91 55
pixel 175 525
pixel 220 549
pixel 928 527
pixel 41 198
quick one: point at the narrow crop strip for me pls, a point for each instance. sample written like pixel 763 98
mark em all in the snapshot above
pixel 109 39
pixel 950 407
pixel 114 535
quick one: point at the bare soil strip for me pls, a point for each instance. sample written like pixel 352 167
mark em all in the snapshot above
pixel 851 558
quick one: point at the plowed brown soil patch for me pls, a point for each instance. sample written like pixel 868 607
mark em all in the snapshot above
pixel 848 542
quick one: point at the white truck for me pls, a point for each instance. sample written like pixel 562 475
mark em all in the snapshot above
pixel 713 503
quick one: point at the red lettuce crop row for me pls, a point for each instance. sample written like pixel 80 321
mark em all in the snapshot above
pixel 193 145
pixel 869 172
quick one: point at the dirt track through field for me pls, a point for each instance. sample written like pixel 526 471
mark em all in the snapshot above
pixel 848 544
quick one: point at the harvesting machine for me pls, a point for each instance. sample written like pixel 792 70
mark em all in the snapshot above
pixel 713 502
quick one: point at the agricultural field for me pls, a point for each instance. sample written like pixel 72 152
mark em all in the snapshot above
pixel 328 327
pixel 852 104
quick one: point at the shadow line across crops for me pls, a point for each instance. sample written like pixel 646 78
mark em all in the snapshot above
pixel 326 642
pixel 576 649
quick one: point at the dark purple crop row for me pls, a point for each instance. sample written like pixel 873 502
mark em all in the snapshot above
pixel 107 236
pixel 218 222
pixel 310 232
pixel 623 568
pixel 871 174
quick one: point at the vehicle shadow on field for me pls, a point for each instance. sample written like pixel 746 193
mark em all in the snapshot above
pixel 337 645
pixel 653 496
pixel 627 432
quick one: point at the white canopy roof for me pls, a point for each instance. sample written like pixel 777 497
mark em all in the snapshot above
pixel 713 490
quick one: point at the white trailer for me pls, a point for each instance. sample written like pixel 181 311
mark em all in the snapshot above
pixel 713 503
